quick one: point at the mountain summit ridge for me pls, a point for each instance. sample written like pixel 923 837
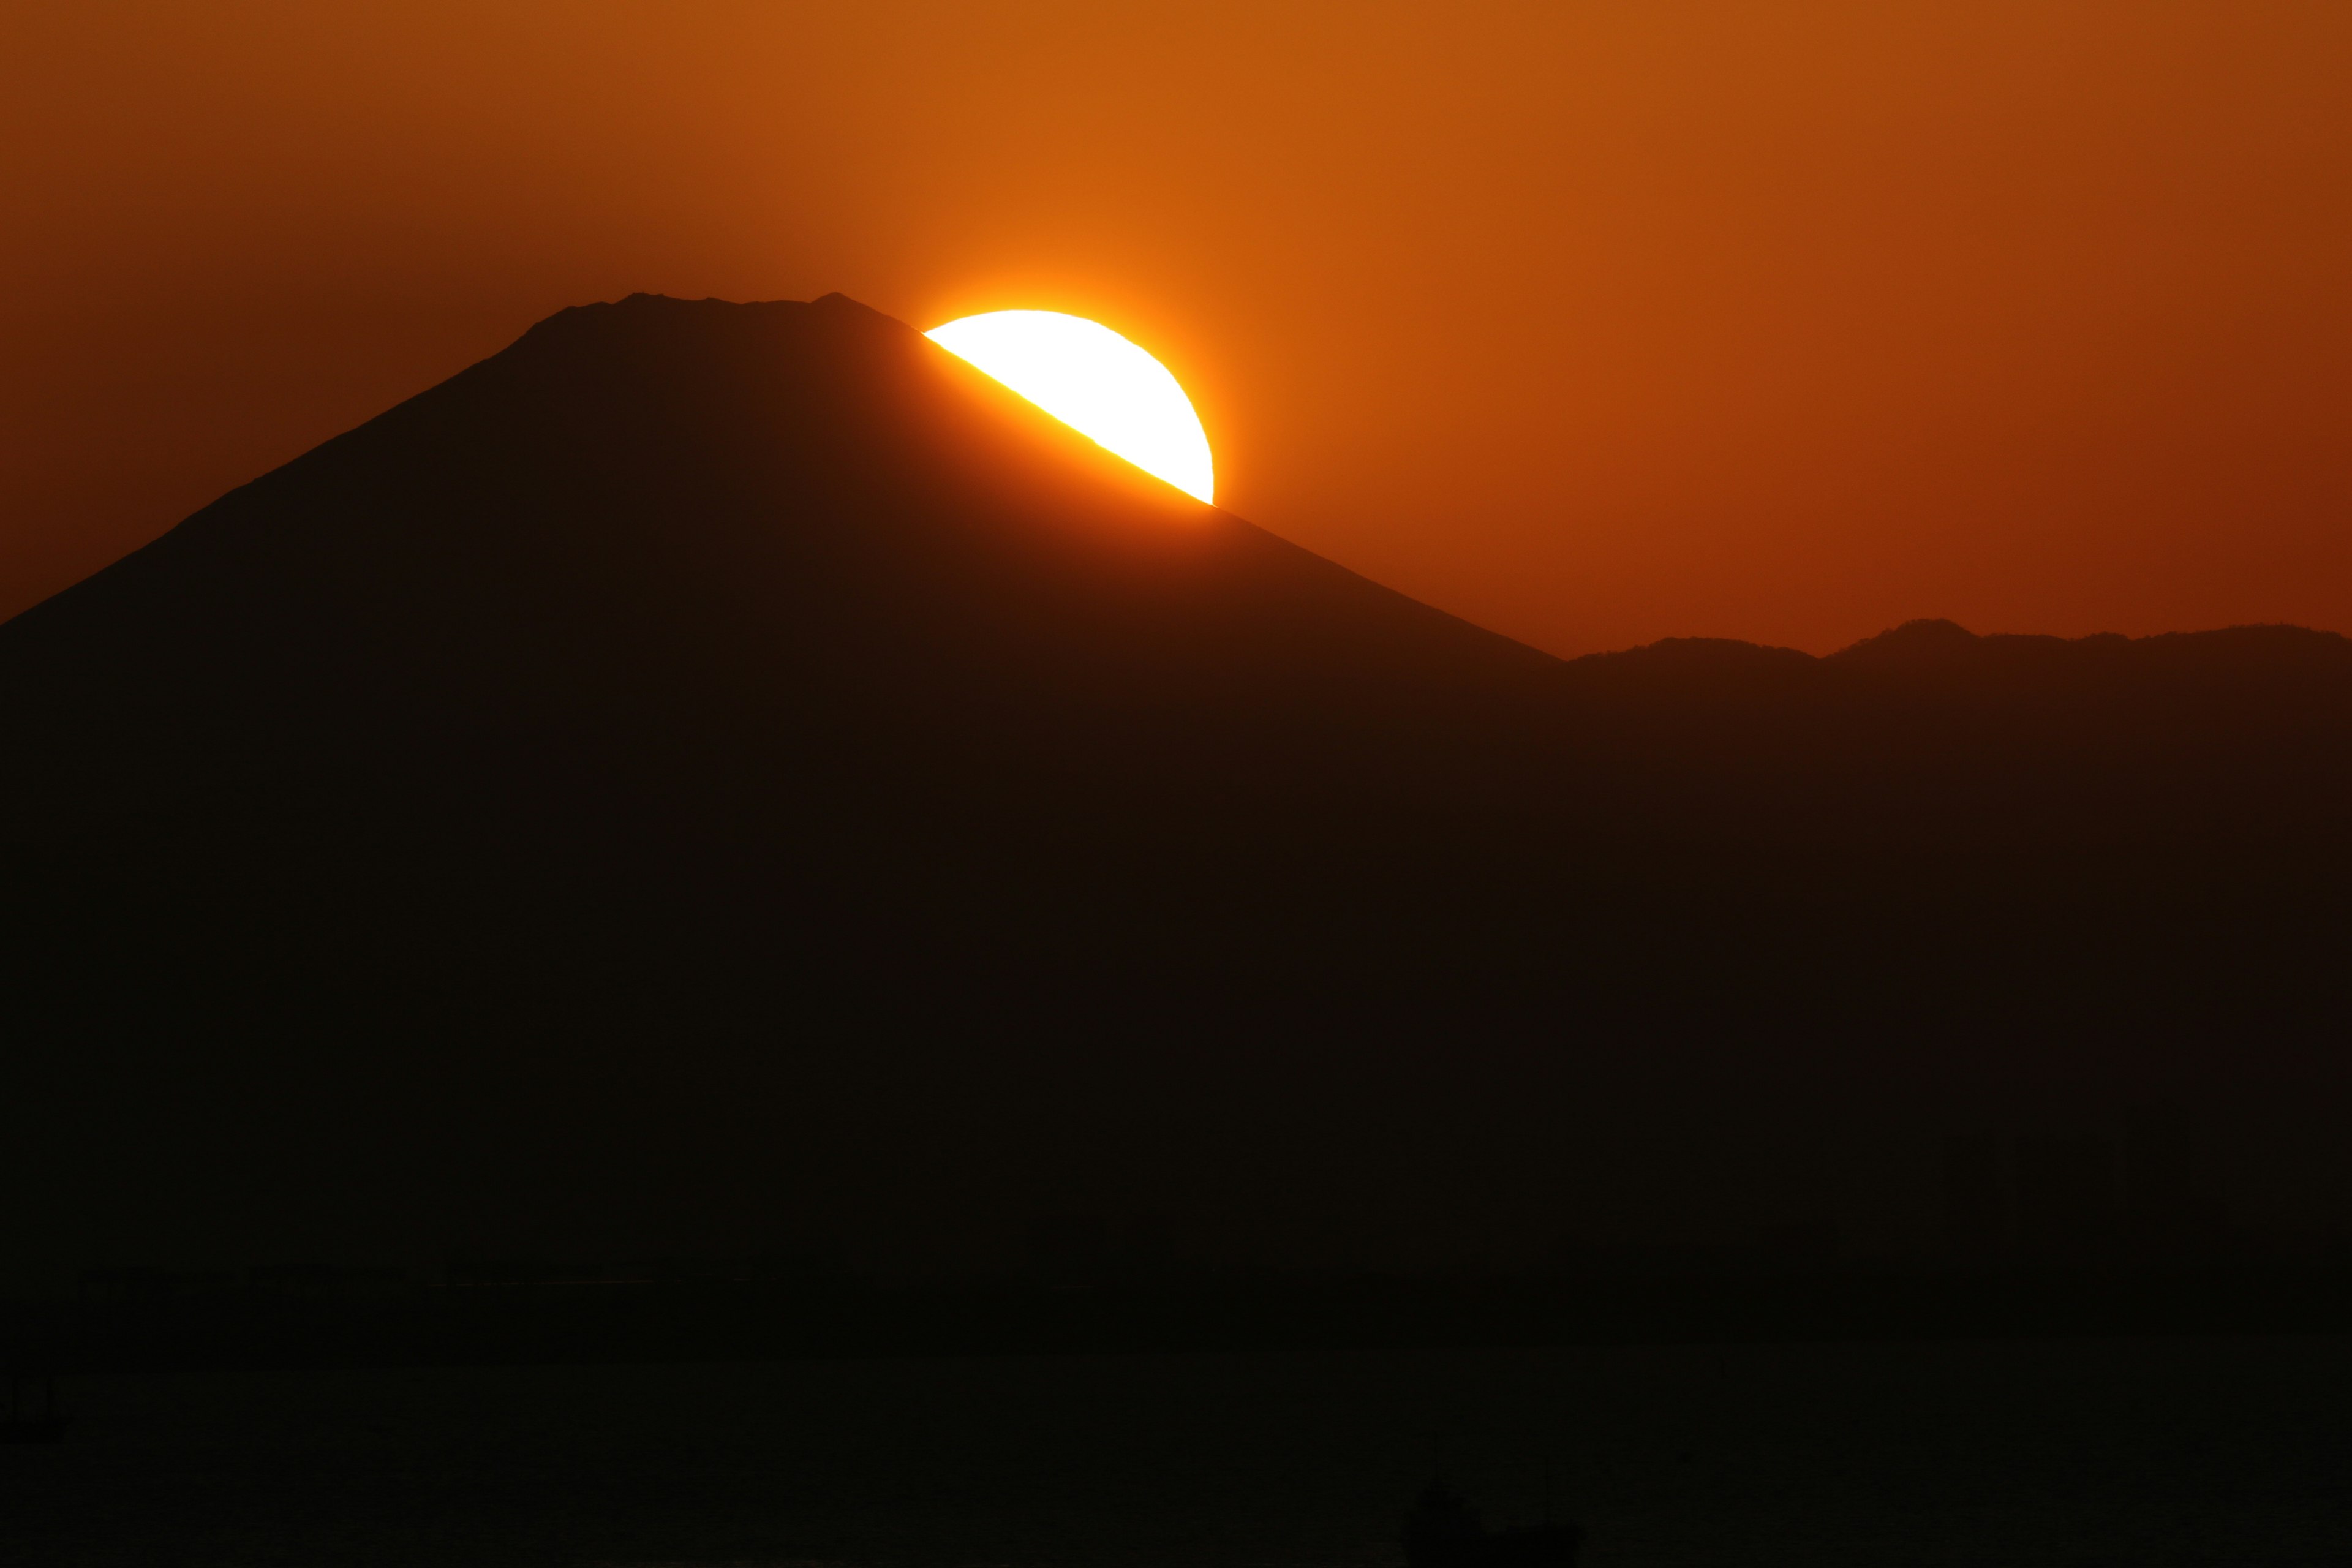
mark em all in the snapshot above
pixel 700 719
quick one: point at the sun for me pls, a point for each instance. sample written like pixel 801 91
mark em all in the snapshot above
pixel 1094 381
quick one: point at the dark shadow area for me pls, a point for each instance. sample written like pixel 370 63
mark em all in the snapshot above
pixel 720 782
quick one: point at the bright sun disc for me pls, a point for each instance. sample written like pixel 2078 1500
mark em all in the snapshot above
pixel 1094 381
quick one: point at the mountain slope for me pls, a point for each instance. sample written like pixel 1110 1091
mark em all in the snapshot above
pixel 711 771
pixel 661 540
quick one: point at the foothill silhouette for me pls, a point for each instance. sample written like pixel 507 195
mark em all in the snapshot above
pixel 732 780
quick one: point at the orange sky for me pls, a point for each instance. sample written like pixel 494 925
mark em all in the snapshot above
pixel 1595 322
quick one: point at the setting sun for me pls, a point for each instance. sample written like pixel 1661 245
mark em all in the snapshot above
pixel 1094 381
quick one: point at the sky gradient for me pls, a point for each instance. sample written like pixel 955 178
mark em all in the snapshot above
pixel 1592 322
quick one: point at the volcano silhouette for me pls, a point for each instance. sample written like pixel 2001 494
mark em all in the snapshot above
pixel 672 585
pixel 712 773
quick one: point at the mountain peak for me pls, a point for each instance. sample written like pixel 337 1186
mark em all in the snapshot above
pixel 709 764
pixel 1928 638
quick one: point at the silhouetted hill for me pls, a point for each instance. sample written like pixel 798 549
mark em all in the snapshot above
pixel 715 775
pixel 697 560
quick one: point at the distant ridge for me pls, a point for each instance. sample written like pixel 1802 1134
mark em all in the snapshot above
pixel 1943 642
pixel 713 774
pixel 1930 639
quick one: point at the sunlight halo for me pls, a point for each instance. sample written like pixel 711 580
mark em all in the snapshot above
pixel 1094 381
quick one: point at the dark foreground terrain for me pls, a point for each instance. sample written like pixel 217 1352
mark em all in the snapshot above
pixel 637 1315
pixel 715 778
pixel 2024 1452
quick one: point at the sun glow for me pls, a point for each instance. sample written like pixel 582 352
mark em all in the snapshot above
pixel 1094 381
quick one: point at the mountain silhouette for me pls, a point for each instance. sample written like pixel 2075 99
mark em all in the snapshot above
pixel 717 772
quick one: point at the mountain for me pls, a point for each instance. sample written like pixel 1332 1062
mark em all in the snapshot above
pixel 712 773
